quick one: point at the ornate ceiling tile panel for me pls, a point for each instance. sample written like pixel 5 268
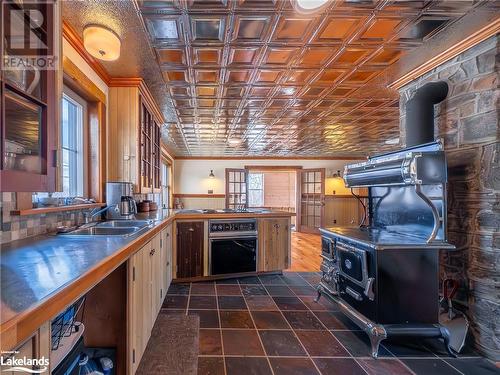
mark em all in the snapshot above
pixel 283 83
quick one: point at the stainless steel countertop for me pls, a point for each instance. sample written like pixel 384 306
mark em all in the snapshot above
pixel 36 268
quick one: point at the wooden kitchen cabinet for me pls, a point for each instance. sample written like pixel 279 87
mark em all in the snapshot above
pixel 146 290
pixel 274 250
pixel 157 271
pixel 166 258
pixel 139 305
pixel 134 139
pixel 37 346
pixel 190 246
pixel 29 98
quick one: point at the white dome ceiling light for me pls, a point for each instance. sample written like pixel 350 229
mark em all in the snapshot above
pixel 309 6
pixel 102 43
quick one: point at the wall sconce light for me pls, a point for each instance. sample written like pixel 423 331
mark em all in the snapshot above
pixel 337 174
pixel 102 43
pixel 211 175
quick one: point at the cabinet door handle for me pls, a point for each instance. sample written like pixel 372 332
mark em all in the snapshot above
pixel 168 234
pixel 152 252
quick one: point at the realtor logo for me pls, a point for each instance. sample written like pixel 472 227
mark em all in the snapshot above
pixel 27 42
pixel 23 364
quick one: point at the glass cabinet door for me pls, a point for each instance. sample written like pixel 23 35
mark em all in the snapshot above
pixel 23 132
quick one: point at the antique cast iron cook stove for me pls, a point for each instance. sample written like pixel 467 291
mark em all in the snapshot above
pixel 384 276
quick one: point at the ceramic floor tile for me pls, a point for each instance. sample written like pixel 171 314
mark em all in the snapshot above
pixel 426 366
pixel 321 344
pixel 279 291
pixel 335 320
pixel 236 319
pixel 271 280
pixel 232 303
pixel 210 366
pixel 241 342
pixel 175 302
pixel 208 318
pixel 269 320
pixel 203 289
pixel 304 291
pixel 293 366
pixel 263 303
pixel 303 320
pixel 384 367
pixel 252 280
pixel 210 342
pixel 228 290
pixel 281 343
pixel 178 289
pixel 253 290
pixel 339 366
pixel 407 347
pixel 289 303
pixel 247 365
pixel 474 366
pixel 202 302
pixel 322 305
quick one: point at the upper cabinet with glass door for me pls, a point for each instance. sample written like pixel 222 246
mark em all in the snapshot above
pixel 134 140
pixel 30 42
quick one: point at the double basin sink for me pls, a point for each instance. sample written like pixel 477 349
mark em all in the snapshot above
pixel 123 228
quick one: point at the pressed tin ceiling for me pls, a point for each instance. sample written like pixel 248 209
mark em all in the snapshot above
pixel 273 81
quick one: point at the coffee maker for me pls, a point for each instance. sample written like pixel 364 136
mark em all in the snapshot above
pixel 119 197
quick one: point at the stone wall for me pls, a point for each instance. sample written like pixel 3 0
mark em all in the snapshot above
pixel 467 121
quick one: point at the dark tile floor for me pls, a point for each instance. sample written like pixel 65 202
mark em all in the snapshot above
pixel 271 325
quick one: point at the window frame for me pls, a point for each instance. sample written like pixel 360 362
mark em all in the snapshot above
pixel 71 96
pixel 249 189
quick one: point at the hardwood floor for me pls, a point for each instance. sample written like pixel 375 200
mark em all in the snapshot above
pixel 306 251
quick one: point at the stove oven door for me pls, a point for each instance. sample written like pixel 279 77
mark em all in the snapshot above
pixel 355 281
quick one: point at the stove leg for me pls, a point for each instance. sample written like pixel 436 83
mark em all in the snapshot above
pixel 445 334
pixel 375 343
pixel 376 335
pixel 318 296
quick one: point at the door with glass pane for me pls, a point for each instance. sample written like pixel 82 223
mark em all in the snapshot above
pixel 236 188
pixel 28 97
pixel 311 189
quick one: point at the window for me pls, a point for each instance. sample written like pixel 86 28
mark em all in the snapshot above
pixel 73 144
pixel 165 184
pixel 256 189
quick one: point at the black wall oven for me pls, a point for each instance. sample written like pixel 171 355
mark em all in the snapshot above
pixel 232 246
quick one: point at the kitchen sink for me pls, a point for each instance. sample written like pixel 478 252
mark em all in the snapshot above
pixel 123 228
pixel 123 223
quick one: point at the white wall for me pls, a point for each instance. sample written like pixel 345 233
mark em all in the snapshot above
pixel 191 176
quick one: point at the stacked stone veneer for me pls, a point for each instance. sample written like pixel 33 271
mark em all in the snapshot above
pixel 467 121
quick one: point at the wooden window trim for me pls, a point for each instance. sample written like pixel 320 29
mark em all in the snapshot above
pixel 78 82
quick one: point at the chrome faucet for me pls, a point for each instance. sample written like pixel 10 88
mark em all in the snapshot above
pixel 88 216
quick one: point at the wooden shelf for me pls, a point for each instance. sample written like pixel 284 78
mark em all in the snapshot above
pixel 44 210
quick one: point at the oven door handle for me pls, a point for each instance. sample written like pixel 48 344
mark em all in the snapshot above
pixel 221 236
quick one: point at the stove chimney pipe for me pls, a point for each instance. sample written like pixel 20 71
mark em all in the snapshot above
pixel 420 112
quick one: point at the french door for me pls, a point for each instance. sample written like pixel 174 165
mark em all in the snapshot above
pixel 236 188
pixel 311 199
